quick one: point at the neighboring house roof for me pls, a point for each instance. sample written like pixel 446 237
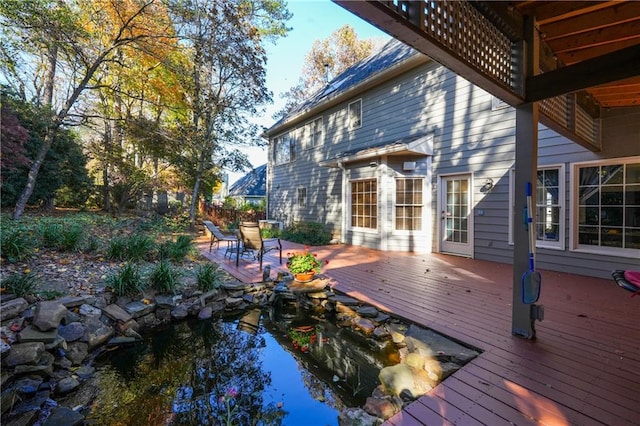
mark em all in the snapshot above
pixel 392 53
pixel 253 184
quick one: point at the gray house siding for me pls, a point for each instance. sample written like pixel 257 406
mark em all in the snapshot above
pixel 472 135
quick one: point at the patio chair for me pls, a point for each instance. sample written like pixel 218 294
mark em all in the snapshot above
pixel 251 240
pixel 628 280
pixel 217 236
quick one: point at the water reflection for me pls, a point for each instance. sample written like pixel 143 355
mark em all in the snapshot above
pixel 240 371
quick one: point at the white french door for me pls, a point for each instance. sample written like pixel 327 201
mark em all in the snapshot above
pixel 456 227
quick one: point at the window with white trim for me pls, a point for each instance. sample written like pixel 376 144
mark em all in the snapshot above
pixel 409 205
pixel 607 205
pixel 302 197
pixel 284 149
pixel 549 198
pixel 313 132
pixel 355 114
pixel 364 203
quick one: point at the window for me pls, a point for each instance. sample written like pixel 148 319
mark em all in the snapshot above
pixel 409 204
pixel 549 211
pixel 313 131
pixel 302 197
pixel 607 205
pixel 355 114
pixel 284 149
pixel 549 204
pixel 364 204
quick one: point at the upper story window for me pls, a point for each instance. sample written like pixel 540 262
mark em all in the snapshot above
pixel 313 132
pixel 409 204
pixel 606 202
pixel 284 149
pixel 355 114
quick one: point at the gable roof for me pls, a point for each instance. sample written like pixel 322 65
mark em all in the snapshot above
pixel 252 184
pixel 391 54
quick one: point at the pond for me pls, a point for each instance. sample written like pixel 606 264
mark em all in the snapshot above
pixel 264 367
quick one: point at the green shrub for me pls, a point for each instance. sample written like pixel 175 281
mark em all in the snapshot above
pixel 135 248
pixel 51 233
pixel 117 248
pixel 93 244
pixel 71 238
pixel 164 278
pixel 209 276
pixel 139 247
pixel 15 244
pixel 307 233
pixel 126 281
pixel 50 294
pixel 20 284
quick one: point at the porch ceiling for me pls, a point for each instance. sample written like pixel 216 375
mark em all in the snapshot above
pixel 589 56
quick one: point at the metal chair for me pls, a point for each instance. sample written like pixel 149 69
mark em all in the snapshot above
pixel 251 240
pixel 217 236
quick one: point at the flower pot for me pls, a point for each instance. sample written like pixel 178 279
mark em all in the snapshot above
pixel 304 277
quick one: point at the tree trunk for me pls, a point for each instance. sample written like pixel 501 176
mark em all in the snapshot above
pixel 52 56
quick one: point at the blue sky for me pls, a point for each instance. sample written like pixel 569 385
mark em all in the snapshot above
pixel 312 20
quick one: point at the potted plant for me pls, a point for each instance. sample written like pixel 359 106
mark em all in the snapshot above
pixel 303 265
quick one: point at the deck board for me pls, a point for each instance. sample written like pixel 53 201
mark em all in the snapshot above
pixel 583 368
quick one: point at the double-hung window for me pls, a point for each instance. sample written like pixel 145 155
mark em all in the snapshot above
pixel 409 204
pixel 313 132
pixel 607 206
pixel 302 197
pixel 364 203
pixel 355 114
pixel 284 149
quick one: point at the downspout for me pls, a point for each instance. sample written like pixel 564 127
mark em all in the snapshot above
pixel 343 216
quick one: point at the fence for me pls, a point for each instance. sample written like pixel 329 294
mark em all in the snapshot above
pixel 225 216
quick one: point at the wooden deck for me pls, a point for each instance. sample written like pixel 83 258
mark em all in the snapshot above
pixel 583 368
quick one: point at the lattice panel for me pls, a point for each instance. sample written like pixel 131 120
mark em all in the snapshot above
pixel 461 28
pixel 557 109
pixel 587 127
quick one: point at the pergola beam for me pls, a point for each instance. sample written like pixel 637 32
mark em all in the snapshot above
pixel 614 66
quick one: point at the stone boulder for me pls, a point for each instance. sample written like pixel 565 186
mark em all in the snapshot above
pixel 12 308
pixel 48 315
pixel 357 417
pixel 24 353
pixel 405 381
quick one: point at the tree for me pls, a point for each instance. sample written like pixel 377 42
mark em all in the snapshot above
pixel 328 57
pixel 80 37
pixel 225 82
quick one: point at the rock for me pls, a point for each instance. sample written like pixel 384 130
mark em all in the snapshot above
pixel 8 399
pixel 381 318
pixel 217 306
pixel 59 342
pixel 4 347
pixel 71 332
pixel 72 301
pixel 43 368
pixel 90 311
pixel 116 313
pixel 367 311
pixel 205 314
pixel 48 315
pixel 24 353
pixel 28 417
pixel 64 416
pixel 364 325
pixel 167 301
pixel 31 334
pixel 63 363
pixel 12 308
pixel 97 333
pixel 163 315
pixel 71 317
pixel 180 312
pixel 122 341
pixel 132 324
pixel 345 300
pixel 381 333
pixel 232 286
pixel 139 309
pixel 383 408
pixel 85 372
pixel 232 302
pixel 403 379
pixel 67 385
pixel 27 385
pixel 415 360
pixel 77 352
pixel 130 332
pixel 430 343
pixel 317 295
pixel 344 309
pixel 357 417
pixel 148 321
